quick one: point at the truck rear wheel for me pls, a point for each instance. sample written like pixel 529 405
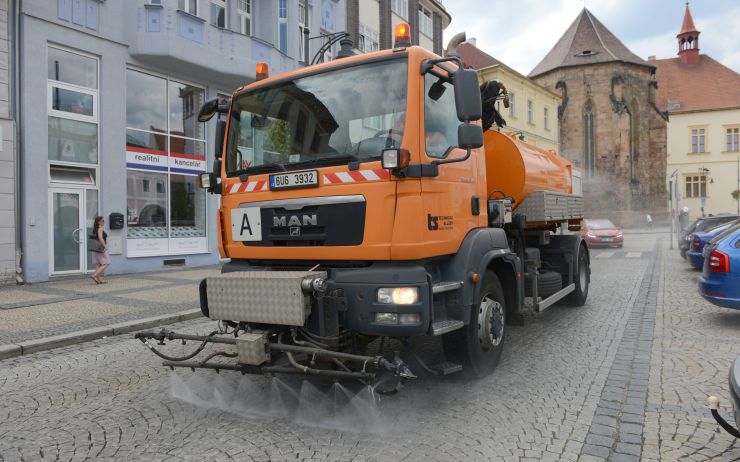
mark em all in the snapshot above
pixel 478 345
pixel 582 279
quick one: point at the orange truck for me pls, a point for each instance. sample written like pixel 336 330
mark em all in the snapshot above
pixel 371 198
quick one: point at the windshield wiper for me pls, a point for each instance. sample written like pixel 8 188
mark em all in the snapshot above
pixel 262 168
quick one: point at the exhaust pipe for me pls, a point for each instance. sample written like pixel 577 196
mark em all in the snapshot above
pixel 454 42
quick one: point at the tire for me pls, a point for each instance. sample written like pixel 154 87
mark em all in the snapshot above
pixel 478 345
pixel 548 282
pixel 582 280
pixel 683 254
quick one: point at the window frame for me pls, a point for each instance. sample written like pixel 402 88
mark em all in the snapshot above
pixel 283 24
pixel 425 19
pixel 698 182
pixel 365 34
pixel 701 134
pixel 401 8
pixel 530 112
pixel 168 174
pixel 72 116
pixel 185 6
pixel 223 4
pixel 512 104
pixel 732 138
pixel 452 145
pixel 244 14
pixel 304 22
pixel 546 117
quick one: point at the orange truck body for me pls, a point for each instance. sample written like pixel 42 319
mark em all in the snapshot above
pixel 398 208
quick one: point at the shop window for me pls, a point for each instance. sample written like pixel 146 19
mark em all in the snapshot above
pixel 73 141
pixel 73 68
pixel 165 150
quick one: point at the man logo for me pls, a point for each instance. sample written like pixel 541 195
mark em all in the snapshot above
pixel 294 220
pixel 295 231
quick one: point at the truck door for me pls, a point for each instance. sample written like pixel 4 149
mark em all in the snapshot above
pixel 449 199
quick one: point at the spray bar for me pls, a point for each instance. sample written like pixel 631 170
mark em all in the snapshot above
pixel 274 370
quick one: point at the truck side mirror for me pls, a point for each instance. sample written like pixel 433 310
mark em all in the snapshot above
pixel 469 136
pixel 208 110
pixel 467 95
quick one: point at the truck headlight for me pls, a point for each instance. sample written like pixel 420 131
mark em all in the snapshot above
pixel 398 295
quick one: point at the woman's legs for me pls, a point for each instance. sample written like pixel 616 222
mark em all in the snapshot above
pixel 101 271
pixel 97 272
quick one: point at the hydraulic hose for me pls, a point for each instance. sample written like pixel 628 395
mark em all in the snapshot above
pixel 176 358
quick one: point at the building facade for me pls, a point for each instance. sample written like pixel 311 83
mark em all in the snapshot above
pixel 609 123
pixel 371 23
pixel 703 99
pixel 109 95
pixel 532 111
pixel 8 155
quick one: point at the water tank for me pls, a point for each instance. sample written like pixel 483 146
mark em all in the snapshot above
pixel 516 168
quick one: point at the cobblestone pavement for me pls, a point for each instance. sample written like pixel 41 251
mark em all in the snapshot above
pixel 628 373
pixel 64 306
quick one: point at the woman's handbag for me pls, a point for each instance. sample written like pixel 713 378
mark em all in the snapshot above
pixel 94 245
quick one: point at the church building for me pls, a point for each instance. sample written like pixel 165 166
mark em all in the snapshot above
pixel 609 124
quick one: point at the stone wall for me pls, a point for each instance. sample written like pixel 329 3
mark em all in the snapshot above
pixel 630 135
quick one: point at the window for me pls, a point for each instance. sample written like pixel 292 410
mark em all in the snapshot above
pixel 165 151
pixel 733 139
pixel 696 186
pixel 530 111
pixel 425 22
pixel 440 119
pixel 244 13
pixel 512 104
pixel 697 140
pixel 283 26
pixel 368 39
pixel 546 117
pixel 72 107
pixel 188 6
pixel 589 143
pixel 218 13
pixel 401 8
pixel 303 28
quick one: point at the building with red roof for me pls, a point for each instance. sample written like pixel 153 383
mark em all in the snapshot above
pixel 702 97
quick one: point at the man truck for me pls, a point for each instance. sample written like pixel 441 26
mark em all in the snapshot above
pixel 372 199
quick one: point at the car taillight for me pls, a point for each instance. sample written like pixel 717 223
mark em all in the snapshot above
pixel 696 245
pixel 719 262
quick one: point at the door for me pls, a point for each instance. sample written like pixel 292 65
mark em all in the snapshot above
pixel 67 221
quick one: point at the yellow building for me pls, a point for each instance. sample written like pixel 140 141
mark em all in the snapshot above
pixel 703 99
pixel 533 109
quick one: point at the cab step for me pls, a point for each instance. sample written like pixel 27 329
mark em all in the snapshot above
pixel 448 325
pixel 446 368
pixel 446 286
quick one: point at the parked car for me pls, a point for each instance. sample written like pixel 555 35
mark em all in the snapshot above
pixel 720 279
pixel 601 232
pixel 702 224
pixel 698 241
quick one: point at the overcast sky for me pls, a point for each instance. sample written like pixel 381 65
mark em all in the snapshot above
pixel 521 32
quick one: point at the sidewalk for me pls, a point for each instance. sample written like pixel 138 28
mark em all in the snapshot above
pixel 38 317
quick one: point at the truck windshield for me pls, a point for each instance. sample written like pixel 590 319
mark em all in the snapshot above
pixel 326 119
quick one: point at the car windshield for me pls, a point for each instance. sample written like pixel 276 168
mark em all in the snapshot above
pixel 325 119
pixel 599 224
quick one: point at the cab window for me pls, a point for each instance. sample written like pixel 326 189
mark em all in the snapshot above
pixel 440 116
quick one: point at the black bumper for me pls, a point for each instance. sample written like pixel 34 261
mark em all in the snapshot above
pixel 356 289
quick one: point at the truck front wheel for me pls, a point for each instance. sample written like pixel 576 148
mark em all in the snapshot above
pixel 478 345
pixel 582 279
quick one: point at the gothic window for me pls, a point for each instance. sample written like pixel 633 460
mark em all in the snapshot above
pixel 589 145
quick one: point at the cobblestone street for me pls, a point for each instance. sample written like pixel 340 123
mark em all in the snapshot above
pixel 624 377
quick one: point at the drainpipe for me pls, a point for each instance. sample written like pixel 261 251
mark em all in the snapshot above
pixel 16 8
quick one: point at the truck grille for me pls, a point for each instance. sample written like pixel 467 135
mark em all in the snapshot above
pixel 320 221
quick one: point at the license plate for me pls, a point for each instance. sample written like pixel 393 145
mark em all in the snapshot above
pixel 246 224
pixel 306 179
pixel 606 239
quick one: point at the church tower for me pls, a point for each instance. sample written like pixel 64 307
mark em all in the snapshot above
pixel 688 40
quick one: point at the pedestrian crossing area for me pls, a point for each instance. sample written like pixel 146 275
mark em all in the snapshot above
pixel 604 254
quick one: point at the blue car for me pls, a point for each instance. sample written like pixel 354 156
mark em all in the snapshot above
pixel 720 279
pixel 699 240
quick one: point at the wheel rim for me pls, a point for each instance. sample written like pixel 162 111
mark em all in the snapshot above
pixel 491 323
pixel 582 276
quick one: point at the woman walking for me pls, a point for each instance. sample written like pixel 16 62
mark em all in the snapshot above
pixel 101 259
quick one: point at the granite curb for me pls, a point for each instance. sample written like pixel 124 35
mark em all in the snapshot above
pixel 47 343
